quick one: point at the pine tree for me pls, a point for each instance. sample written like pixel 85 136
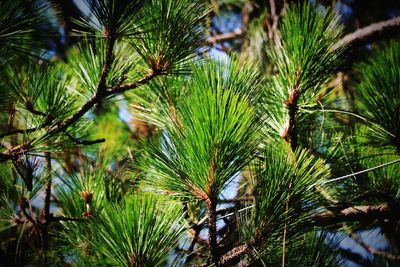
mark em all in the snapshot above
pixel 120 151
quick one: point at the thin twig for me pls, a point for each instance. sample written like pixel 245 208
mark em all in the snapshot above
pixel 238 32
pixel 84 142
pixel 356 173
pixel 19 131
pixel 67 219
pixel 122 88
pixel 97 98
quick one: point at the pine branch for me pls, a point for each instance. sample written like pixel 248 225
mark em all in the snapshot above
pixel 289 133
pixel 100 92
pixel 66 219
pixel 84 142
pixel 374 251
pixel 5 157
pixel 273 29
pixel 14 152
pixel 211 203
pixel 292 138
pixel 29 106
pixel 63 126
pixel 369 32
pixel 366 213
pixel 226 212
pixel 102 86
pixel 238 32
pixel 197 231
pixel 234 255
pixel 357 213
pixel 97 98
pixel 123 88
pixel 48 188
pixel 19 131
pixel 23 207
pixel 212 231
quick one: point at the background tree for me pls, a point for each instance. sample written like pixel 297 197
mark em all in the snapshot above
pixel 125 142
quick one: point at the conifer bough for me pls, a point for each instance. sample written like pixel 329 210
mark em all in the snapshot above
pixel 123 154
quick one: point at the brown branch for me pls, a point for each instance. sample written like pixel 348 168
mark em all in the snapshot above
pixel 225 36
pixel 97 98
pixel 85 108
pixel 63 126
pixel 234 255
pixel 67 219
pixel 122 88
pixel 367 213
pixel 362 34
pixel 84 142
pixel 29 106
pixel 237 200
pixel 273 33
pixel 289 133
pixel 272 6
pixel 195 240
pixel 369 32
pixel 100 94
pixel 373 250
pixel 5 157
pixel 102 86
pixel 357 213
pixel 197 229
pixel 22 206
pixel 212 230
pixel 48 188
pixel 19 131
pixel 291 137
pixel 246 10
pixel 211 204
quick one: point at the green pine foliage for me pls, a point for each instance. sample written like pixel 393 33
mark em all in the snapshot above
pixel 213 135
pixel 21 22
pixel 304 61
pixel 138 148
pixel 148 227
pixel 173 32
pixel 113 18
pixel 381 107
